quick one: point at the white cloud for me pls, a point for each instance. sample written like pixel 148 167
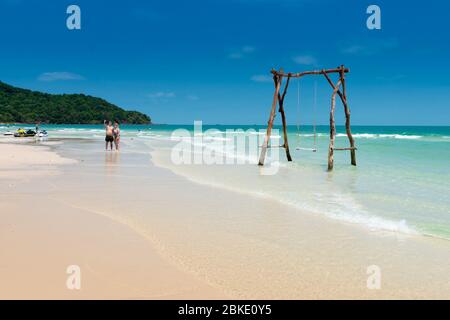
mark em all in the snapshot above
pixel 374 47
pixel 192 97
pixel 261 78
pixel 305 60
pixel 241 52
pixel 354 49
pixel 161 95
pixel 59 76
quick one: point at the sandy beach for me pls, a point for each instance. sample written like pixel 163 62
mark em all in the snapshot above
pixel 41 236
pixel 137 230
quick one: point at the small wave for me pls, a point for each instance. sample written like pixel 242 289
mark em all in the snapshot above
pixel 361 135
pixel 155 137
pixel 210 132
pixel 345 208
pixel 312 134
pixel 386 136
pixel 209 138
pixel 400 136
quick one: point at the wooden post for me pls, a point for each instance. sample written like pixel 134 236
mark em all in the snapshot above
pixel 347 119
pixel 283 119
pixel 332 127
pixel 277 79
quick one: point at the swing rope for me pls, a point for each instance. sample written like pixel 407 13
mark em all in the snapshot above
pixel 314 149
pixel 298 111
pixel 314 114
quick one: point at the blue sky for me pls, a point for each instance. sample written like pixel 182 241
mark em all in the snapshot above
pixel 181 61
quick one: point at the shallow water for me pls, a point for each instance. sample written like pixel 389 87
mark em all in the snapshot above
pixel 401 182
pixel 248 247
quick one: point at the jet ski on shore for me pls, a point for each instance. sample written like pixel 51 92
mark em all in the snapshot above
pixel 22 133
pixel 42 134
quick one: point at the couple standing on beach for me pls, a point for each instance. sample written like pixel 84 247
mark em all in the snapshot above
pixel 112 134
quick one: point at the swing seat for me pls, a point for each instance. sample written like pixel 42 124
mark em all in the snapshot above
pixel 314 149
pixel 307 149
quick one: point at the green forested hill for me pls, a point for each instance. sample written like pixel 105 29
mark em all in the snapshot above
pixel 26 106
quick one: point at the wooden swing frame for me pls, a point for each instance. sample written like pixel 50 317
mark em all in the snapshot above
pixel 278 98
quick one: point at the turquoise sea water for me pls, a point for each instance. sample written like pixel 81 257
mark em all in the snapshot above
pixel 401 182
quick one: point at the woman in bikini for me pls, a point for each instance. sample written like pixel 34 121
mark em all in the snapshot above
pixel 116 134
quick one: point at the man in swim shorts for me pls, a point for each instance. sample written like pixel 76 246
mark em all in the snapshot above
pixel 109 139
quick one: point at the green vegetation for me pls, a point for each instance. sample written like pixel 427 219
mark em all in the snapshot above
pixel 26 106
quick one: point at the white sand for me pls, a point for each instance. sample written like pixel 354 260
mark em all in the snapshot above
pixel 138 231
pixel 26 161
pixel 40 238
